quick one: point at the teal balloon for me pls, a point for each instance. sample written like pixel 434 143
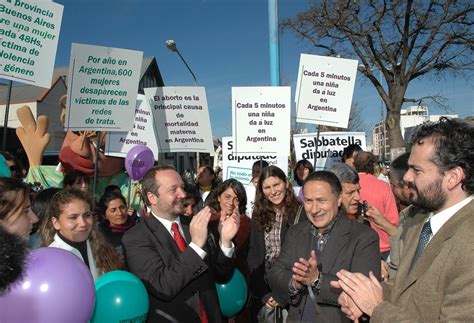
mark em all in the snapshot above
pixel 4 169
pixel 120 297
pixel 232 295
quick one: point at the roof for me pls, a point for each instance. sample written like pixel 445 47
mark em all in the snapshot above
pixel 24 93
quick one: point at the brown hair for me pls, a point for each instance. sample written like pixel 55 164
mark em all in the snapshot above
pixel 263 214
pixel 13 194
pixel 103 253
pixel 150 184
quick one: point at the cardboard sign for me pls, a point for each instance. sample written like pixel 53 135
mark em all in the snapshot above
pixel 119 143
pixel 102 88
pixel 239 166
pixel 29 32
pixel 261 120
pixel 330 146
pixel 324 90
pixel 181 119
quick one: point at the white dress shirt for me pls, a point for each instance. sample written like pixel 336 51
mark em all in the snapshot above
pixel 228 252
pixel 439 219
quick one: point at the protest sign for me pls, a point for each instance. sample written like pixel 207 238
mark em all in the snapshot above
pixel 102 88
pixel 330 146
pixel 239 166
pixel 180 119
pixel 324 90
pixel 29 32
pixel 119 143
pixel 261 120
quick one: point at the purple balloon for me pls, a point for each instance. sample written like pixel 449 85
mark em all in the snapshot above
pixel 57 287
pixel 138 161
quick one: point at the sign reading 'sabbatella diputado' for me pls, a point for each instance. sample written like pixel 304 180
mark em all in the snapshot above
pixel 181 119
pixel 261 120
pixel 330 146
pixel 324 90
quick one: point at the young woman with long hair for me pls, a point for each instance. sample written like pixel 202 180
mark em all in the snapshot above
pixel 71 225
pixel 276 209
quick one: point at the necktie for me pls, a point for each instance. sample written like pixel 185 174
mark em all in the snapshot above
pixel 182 245
pixel 424 239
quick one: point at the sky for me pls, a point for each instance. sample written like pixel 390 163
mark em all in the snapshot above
pixel 226 43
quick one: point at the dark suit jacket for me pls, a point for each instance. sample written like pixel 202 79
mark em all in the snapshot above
pixel 256 256
pixel 175 281
pixel 351 246
pixel 440 286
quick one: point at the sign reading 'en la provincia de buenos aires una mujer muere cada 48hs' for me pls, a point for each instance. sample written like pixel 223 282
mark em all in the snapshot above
pixel 29 32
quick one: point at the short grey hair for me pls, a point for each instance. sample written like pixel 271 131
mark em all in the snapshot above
pixel 345 173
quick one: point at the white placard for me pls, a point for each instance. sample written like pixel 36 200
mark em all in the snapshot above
pixel 143 133
pixel 102 88
pixel 239 166
pixel 261 120
pixel 181 119
pixel 29 32
pixel 324 90
pixel 330 146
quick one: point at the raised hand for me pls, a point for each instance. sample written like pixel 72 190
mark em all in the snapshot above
pixel 198 227
pixel 305 272
pixel 228 227
pixel 366 292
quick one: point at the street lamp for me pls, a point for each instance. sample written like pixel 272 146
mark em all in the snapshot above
pixel 171 44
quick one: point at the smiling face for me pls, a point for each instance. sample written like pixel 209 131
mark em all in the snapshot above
pixel 274 190
pixel 321 204
pixel 116 212
pixel 228 201
pixel 168 202
pixel 75 221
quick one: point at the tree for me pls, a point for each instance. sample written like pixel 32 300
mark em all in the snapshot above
pixel 404 40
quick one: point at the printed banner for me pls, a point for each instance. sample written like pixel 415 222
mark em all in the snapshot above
pixel 102 88
pixel 330 146
pixel 324 90
pixel 29 32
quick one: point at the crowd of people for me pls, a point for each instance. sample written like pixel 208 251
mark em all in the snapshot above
pixel 346 243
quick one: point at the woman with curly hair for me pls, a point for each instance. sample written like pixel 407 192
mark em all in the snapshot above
pixel 71 226
pixel 276 209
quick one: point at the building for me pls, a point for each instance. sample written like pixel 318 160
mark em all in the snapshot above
pixel 409 119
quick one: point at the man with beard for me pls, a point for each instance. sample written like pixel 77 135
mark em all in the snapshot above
pixel 170 253
pixel 435 280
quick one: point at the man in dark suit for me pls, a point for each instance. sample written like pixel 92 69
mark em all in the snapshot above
pixel 170 254
pixel 434 280
pixel 315 250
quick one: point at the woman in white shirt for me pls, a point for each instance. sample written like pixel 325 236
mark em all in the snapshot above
pixel 71 225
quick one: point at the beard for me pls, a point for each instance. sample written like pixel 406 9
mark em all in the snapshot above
pixel 431 198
